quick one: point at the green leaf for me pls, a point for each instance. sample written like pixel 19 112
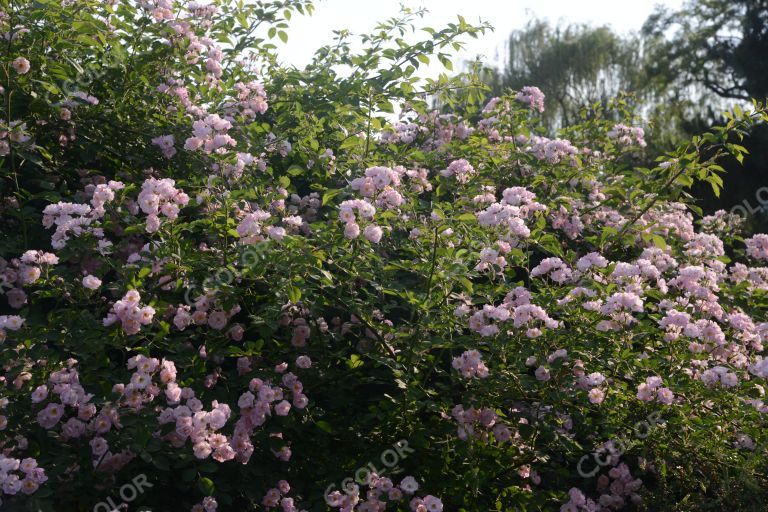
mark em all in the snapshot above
pixel 294 294
pixel 330 194
pixel 206 486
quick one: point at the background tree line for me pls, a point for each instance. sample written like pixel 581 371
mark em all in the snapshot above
pixel 679 72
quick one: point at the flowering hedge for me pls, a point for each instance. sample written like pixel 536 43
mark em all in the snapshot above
pixel 232 285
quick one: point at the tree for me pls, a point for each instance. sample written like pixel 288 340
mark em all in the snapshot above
pixel 582 66
pixel 720 44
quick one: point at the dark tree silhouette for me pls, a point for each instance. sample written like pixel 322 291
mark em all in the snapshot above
pixel 721 44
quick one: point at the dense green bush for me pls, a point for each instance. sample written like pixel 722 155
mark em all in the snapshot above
pixel 224 275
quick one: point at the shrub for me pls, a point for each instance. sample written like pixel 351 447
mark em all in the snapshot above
pixel 240 285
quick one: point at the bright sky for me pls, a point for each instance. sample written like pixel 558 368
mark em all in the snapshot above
pixel 310 32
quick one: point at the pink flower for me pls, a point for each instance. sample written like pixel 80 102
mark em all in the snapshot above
pixel 460 169
pixel 283 408
pixel 596 395
pixel 757 247
pixel 217 320
pixel 542 374
pixel 351 230
pixel 665 396
pixel 99 446
pixel 39 394
pixel 303 362
pixel 50 416
pixel 373 233
pixel 16 298
pixel 532 96
pixel 433 504
pixel 91 282
pixel 236 332
pixel 470 364
pixel 202 450
pixel 21 65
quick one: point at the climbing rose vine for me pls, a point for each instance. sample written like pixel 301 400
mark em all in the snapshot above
pixel 234 285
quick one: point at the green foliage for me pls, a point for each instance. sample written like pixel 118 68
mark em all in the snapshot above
pixel 382 318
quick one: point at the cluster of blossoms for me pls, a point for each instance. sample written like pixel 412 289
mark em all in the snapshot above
pixel 252 99
pixel 570 222
pixel 437 129
pixel 628 135
pixel 186 412
pixel 197 425
pixel 130 313
pixel 722 224
pixel 66 385
pixel 251 227
pixel 401 133
pixel 535 252
pixel 381 183
pixel 21 272
pixel 259 402
pixel 76 219
pixel 11 323
pixel 278 496
pixel 162 10
pixel 652 389
pixel 20 476
pixel 15 132
pixel 592 384
pixel 757 247
pixel 141 389
pixel 470 364
pixel 554 268
pixel 166 145
pixel 209 504
pixel 620 308
pixel 478 423
pixel 517 204
pixel 209 135
pixel 76 99
pixel 380 489
pixel 719 375
pixel 366 211
pixel 704 246
pixel 590 260
pixel 234 171
pixel 506 216
pixel 532 96
pixel 206 313
pixel 160 197
pixel 516 307
pixel 755 277
pixel 490 258
pixel 305 206
pixel 87 421
pixel 443 128
pixel 459 169
pixel 617 489
pixel 553 151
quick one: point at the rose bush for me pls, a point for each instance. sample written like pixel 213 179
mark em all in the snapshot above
pixel 250 287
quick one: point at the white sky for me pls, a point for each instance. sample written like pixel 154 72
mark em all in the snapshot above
pixel 308 33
